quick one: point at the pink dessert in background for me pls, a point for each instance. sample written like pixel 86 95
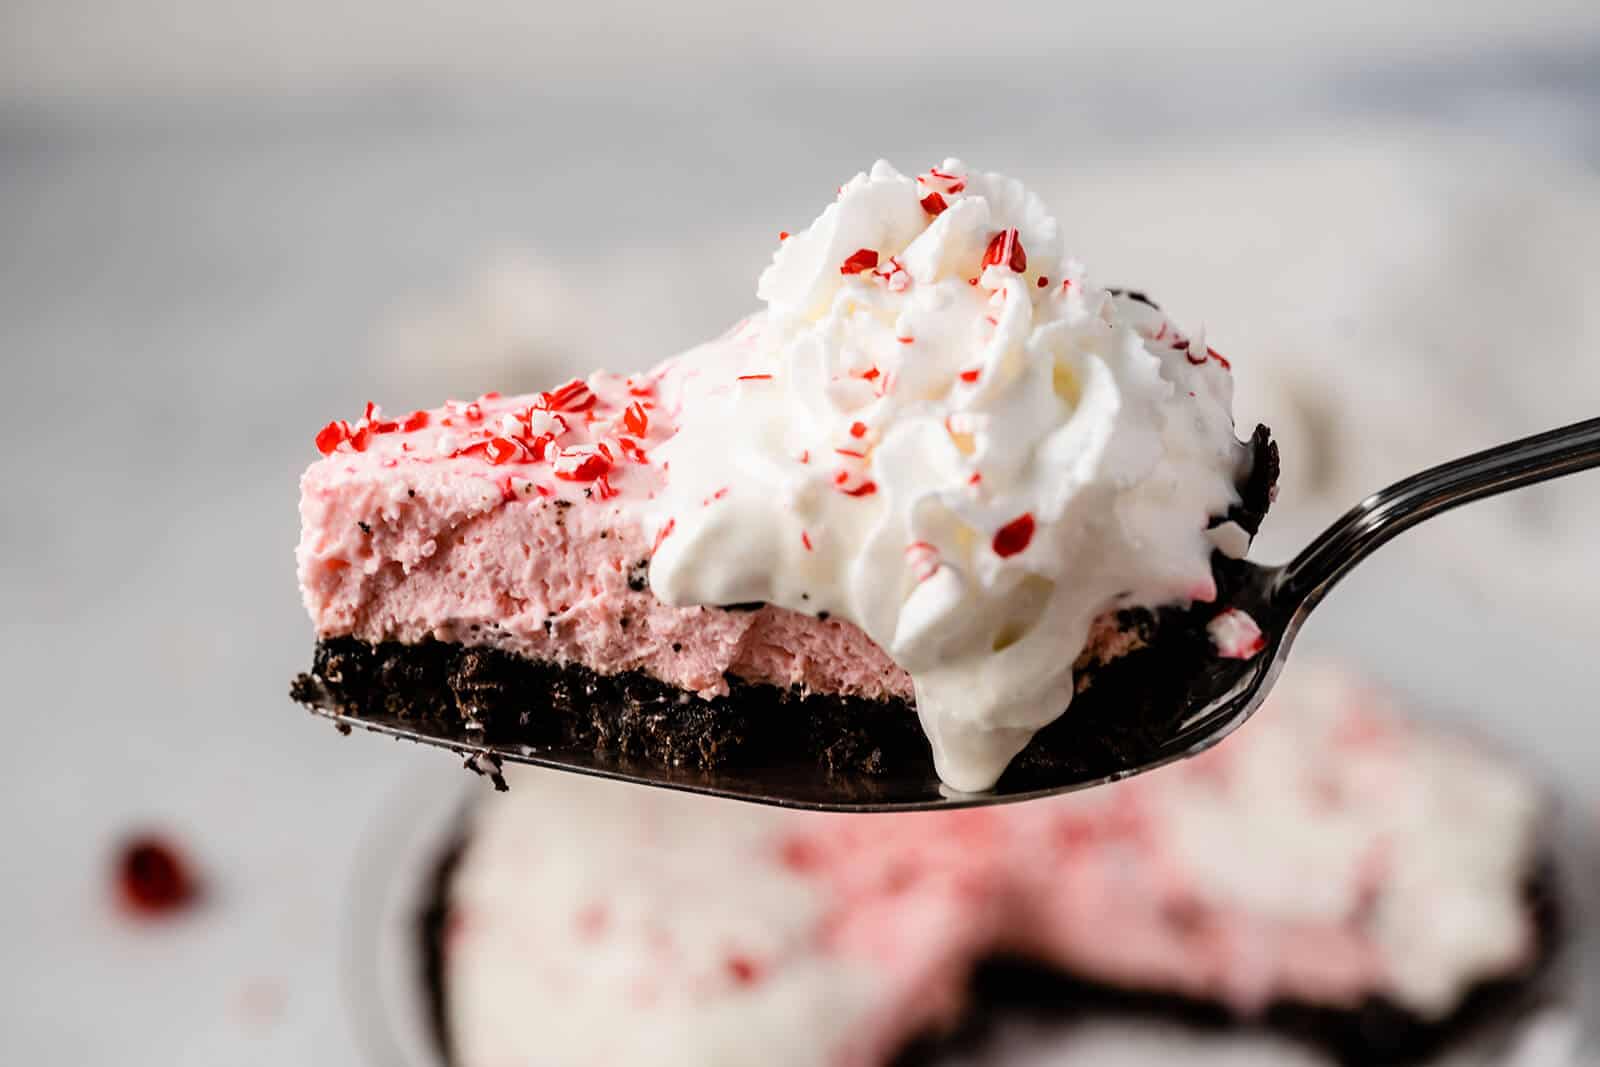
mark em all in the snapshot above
pixel 1328 853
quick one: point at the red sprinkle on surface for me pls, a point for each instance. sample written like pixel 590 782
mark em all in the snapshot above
pixel 744 970
pixel 975 479
pixel 934 204
pixel 508 492
pixel 805 539
pixel 153 878
pixel 861 259
pixel 902 340
pixel 970 376
pixel 414 421
pixel 755 377
pixel 1044 283
pixel 501 450
pixel 663 534
pixel 1005 249
pixel 634 418
pixel 858 429
pixel 1214 354
pixel 783 235
pixel 852 453
pixel 573 397
pixel 587 469
pixel 805 457
pixel 361 439
pixel 864 489
pixel 331 436
pixel 1014 536
pixel 870 373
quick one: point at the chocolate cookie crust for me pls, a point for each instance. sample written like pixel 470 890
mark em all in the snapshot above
pixel 1125 708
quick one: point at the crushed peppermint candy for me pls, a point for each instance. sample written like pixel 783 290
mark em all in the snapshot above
pixel 582 438
pixel 1236 635
pixel 859 260
pixel 1005 250
pixel 1014 536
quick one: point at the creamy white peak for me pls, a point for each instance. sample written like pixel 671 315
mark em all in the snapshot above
pixel 940 430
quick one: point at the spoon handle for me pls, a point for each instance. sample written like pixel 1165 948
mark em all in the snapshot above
pixel 1370 524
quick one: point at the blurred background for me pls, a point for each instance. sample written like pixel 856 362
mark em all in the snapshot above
pixel 222 224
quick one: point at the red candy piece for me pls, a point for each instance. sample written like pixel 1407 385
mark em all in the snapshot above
pixel 501 450
pixel 634 418
pixel 663 534
pixel 332 436
pixel 1005 249
pixel 1014 536
pixel 153 878
pixel 587 469
pixel 934 204
pixel 744 970
pixel 573 397
pixel 861 259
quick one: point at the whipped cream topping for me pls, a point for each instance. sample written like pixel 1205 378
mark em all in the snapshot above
pixel 942 431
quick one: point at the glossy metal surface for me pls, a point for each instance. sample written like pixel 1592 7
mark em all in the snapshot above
pixel 1223 697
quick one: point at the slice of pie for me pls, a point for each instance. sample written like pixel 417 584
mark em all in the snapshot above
pixel 1332 871
pixel 923 502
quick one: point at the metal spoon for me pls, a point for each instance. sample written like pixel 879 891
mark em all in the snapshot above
pixel 1221 695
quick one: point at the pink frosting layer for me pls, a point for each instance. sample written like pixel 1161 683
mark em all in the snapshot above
pixel 420 533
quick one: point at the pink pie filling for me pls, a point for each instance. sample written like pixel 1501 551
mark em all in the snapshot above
pixel 433 532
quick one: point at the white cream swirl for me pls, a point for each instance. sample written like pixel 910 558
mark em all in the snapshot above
pixel 939 430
